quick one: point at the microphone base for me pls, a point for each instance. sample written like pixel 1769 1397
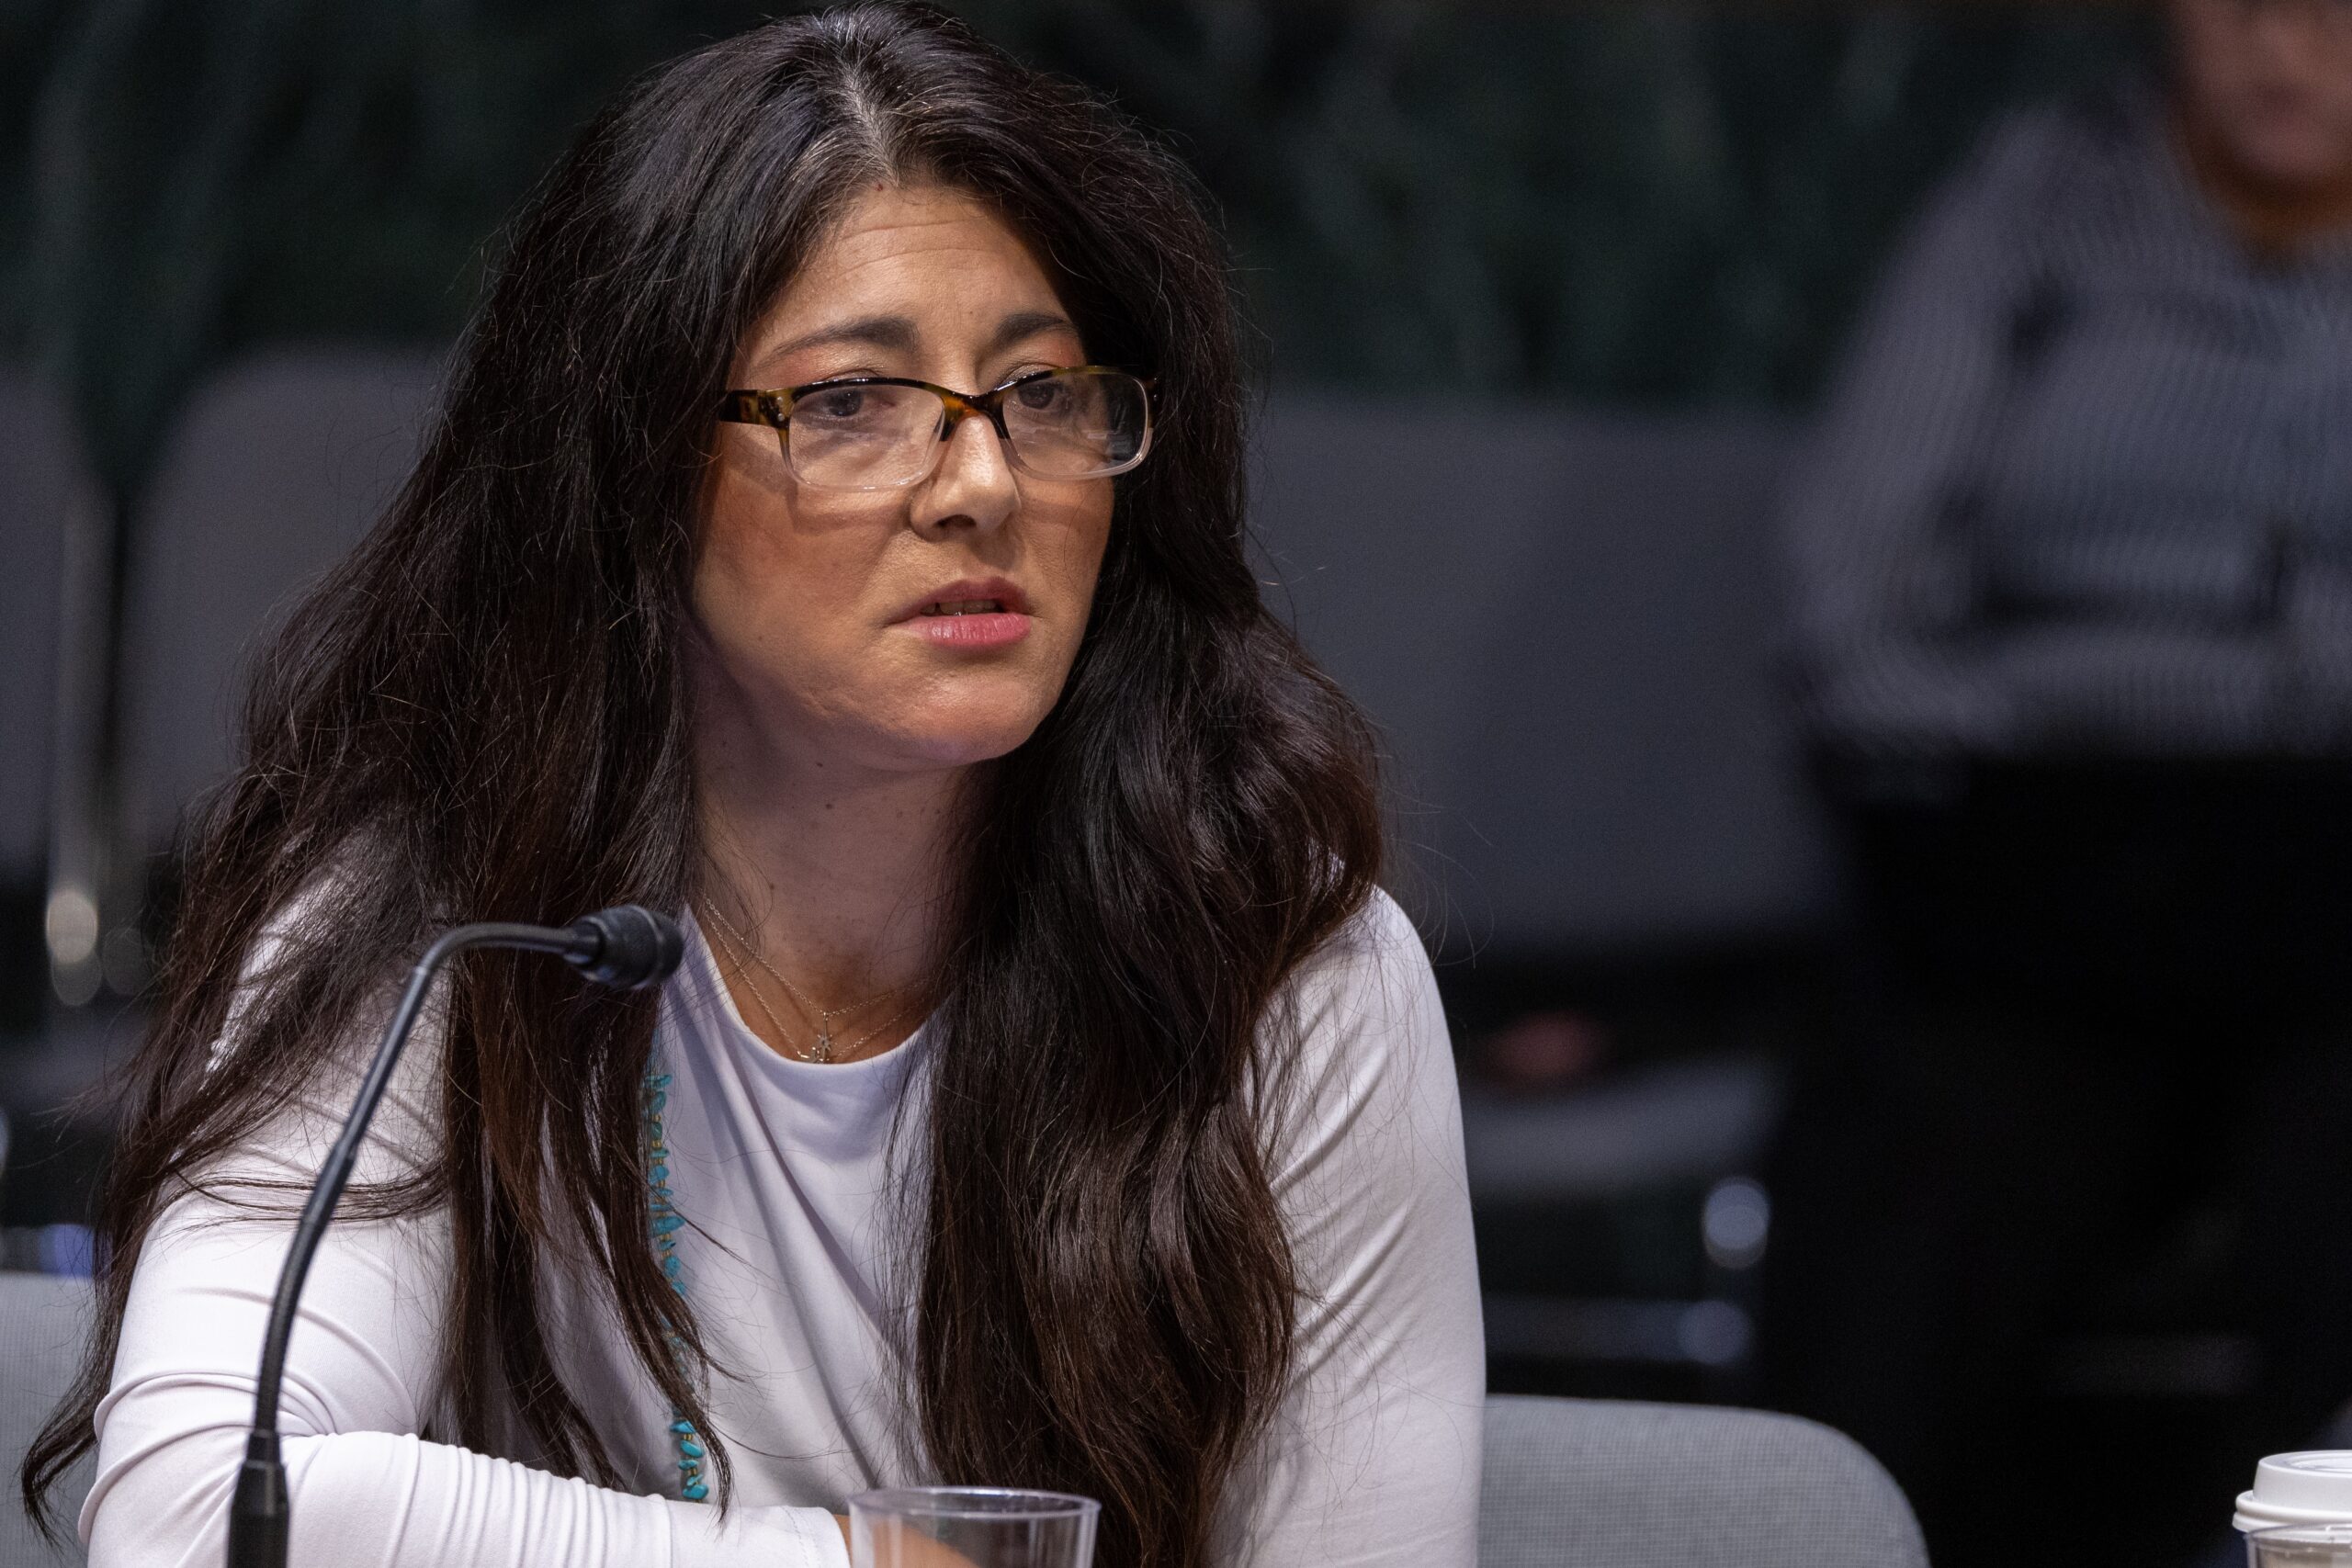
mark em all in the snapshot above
pixel 258 1512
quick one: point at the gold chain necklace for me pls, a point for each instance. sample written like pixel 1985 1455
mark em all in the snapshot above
pixel 824 1048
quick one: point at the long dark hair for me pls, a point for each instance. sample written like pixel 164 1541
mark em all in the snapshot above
pixel 482 715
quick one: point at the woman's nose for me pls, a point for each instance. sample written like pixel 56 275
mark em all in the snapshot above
pixel 973 481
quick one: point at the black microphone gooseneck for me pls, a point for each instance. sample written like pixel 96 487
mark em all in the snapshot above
pixel 627 946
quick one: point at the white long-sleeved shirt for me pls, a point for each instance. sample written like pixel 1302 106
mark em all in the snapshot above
pixel 789 1177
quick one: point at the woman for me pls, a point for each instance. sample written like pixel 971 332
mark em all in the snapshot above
pixel 2074 562
pixel 832 534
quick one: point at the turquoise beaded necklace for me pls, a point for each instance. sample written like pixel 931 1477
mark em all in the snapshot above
pixel 666 1222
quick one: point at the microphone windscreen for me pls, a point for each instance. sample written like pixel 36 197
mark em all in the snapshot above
pixel 628 946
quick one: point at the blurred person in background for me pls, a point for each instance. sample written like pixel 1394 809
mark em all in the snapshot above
pixel 2072 567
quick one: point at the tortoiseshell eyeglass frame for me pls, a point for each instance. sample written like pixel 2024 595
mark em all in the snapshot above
pixel 773 408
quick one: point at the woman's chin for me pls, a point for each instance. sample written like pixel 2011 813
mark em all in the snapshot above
pixel 969 739
pixel 2291 158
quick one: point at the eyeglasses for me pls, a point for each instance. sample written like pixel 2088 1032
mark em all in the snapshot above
pixel 883 432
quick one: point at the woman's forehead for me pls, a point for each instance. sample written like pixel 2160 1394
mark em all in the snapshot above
pixel 906 266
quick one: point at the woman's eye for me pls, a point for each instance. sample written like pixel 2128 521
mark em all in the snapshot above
pixel 842 403
pixel 1045 394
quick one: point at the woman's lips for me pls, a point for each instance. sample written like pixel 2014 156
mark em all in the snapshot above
pixel 970 624
pixel 971 614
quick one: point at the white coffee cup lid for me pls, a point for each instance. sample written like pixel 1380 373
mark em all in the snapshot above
pixel 2308 1488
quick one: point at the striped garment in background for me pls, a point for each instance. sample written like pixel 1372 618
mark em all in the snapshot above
pixel 2084 486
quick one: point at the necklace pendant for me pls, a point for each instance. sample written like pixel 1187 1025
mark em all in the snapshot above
pixel 822 1050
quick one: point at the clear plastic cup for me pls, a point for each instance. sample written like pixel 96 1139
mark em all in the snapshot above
pixel 970 1526
pixel 2300 1546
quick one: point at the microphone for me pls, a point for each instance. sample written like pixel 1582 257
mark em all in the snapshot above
pixel 628 947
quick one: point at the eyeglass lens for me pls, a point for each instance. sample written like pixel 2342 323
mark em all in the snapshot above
pixel 1069 425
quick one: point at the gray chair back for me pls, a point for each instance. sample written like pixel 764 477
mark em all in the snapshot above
pixel 1563 621
pixel 278 468
pixel 51 522
pixel 42 1321
pixel 1587 1484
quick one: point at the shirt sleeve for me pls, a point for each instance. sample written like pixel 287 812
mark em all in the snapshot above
pixel 361 1384
pixel 1371 1460
pixel 1882 572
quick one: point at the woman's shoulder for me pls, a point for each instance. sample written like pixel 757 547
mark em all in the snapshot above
pixel 2044 160
pixel 1376 957
pixel 1363 1043
pixel 292 1143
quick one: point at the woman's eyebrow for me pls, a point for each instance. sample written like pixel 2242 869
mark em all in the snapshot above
pixel 1021 325
pixel 895 334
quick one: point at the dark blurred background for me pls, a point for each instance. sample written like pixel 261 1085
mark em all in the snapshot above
pixel 1546 297
pixel 1669 206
